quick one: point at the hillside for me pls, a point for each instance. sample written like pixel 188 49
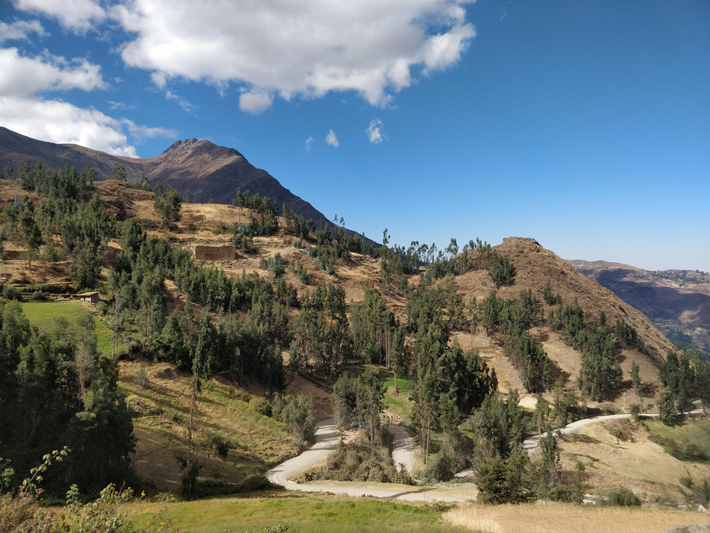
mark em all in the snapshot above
pixel 208 225
pixel 208 171
pixel 250 318
pixel 677 301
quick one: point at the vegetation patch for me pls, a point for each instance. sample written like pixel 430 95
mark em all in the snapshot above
pixel 41 314
pixel 359 462
pixel 306 514
pixel 689 442
pixel 225 417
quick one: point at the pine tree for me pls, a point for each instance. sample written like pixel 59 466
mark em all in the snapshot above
pixel 636 380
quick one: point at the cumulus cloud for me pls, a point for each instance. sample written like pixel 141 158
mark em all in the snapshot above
pixel 255 101
pixel 19 30
pixel 293 48
pixel 331 139
pixel 61 122
pixel 182 102
pixel 78 16
pixel 25 80
pixel 374 133
pixel 309 142
pixel 24 76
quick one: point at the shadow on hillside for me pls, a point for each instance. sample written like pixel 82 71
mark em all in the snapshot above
pixel 556 372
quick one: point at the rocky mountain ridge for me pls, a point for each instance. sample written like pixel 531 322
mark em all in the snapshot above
pixel 208 171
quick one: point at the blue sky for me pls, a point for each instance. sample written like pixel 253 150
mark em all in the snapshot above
pixel 585 125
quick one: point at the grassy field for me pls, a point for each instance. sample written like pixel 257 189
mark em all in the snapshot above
pixel 687 442
pixel 566 518
pixel 255 442
pixel 398 404
pixel 305 513
pixel 41 314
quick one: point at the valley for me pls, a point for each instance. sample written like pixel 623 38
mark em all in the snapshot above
pixel 238 337
pixel 677 301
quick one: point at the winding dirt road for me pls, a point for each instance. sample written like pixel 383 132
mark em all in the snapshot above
pixel 532 443
pixel 326 439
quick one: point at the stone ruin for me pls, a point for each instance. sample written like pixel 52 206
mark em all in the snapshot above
pixel 215 253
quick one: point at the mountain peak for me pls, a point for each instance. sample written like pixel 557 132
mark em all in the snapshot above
pixel 181 144
pixel 209 171
pixel 194 145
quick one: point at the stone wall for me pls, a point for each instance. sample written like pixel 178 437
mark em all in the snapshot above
pixel 215 253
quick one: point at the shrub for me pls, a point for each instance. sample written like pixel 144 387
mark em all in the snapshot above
pixel 261 406
pixel 11 293
pixel 621 498
pixel 257 482
pixel 39 296
pixel 565 493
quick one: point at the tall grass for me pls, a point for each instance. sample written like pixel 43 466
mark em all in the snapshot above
pixel 566 518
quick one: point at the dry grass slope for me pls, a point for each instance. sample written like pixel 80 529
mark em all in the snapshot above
pixel 567 518
pixel 161 413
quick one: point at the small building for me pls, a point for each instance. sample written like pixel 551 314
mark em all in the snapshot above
pixel 91 297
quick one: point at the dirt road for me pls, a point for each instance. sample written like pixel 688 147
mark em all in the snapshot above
pixel 326 439
pixel 403 447
pixel 532 443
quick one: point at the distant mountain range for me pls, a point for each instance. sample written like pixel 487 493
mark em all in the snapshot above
pixel 208 171
pixel 677 301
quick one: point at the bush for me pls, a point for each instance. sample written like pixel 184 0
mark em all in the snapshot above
pixel 11 293
pixel 565 493
pixel 39 296
pixel 257 482
pixel 261 406
pixel 621 498
pixel 252 483
pixel 441 467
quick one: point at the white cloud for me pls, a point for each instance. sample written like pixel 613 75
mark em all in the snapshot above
pixel 331 139
pixel 75 15
pixel 25 76
pixel 309 142
pixel 61 122
pixel 23 80
pixel 142 132
pixel 293 48
pixel 374 133
pixel 19 29
pixel 122 105
pixel 255 101
pixel 185 104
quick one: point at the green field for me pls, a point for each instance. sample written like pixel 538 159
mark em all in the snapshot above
pixel 399 403
pixel 41 314
pixel 306 514
pixel 689 441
